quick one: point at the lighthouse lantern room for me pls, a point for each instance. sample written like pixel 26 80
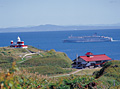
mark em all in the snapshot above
pixel 20 44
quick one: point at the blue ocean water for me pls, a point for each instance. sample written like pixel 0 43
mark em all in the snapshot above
pixel 54 40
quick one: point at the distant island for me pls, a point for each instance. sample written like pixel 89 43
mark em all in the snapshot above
pixel 49 27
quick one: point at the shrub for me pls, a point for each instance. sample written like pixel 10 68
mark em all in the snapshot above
pixel 52 52
pixel 99 73
pixel 4 53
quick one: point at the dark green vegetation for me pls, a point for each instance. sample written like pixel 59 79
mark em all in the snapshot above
pixel 37 70
pixel 8 55
pixel 107 78
pixel 109 75
pixel 16 79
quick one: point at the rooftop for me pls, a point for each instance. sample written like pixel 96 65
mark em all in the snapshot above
pixel 99 57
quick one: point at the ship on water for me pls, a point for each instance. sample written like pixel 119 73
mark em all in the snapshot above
pixel 93 38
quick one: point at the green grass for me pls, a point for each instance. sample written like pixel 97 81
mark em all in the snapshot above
pixel 49 61
pixel 87 71
pixel 107 78
pixel 108 74
pixel 44 61
pixel 33 49
pixel 47 70
pixel 5 62
pixel 15 79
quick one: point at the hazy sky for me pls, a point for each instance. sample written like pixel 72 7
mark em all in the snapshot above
pixel 15 13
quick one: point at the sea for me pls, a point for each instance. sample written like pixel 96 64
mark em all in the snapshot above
pixel 47 40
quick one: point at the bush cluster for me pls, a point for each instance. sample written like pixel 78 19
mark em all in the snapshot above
pixel 15 79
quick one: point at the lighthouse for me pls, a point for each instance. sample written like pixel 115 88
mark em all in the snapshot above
pixel 20 44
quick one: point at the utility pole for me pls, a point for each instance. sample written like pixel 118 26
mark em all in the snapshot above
pixel 77 60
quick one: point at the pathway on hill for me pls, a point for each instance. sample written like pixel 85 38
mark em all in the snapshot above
pixel 30 53
pixel 28 50
pixel 25 56
pixel 62 75
pixel 67 74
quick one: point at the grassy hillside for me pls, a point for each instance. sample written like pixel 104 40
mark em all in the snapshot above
pixel 109 75
pixel 16 79
pixel 35 60
pixel 8 55
pixel 50 63
pixel 87 71
pixel 46 61
pixel 34 71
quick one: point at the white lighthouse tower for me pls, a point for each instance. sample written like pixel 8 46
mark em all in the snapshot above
pixel 20 44
pixel 18 39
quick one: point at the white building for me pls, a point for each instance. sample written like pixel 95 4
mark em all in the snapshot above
pixel 20 44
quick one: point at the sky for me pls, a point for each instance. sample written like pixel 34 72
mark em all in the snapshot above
pixel 20 13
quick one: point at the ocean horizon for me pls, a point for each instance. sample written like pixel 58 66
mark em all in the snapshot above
pixel 47 40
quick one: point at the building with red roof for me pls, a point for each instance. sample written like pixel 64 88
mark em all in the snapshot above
pixel 90 60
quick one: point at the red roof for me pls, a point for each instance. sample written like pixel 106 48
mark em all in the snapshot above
pixel 96 58
pixel 89 53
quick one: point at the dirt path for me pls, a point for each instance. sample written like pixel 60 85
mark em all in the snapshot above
pixel 30 53
pixel 25 56
pixel 67 74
